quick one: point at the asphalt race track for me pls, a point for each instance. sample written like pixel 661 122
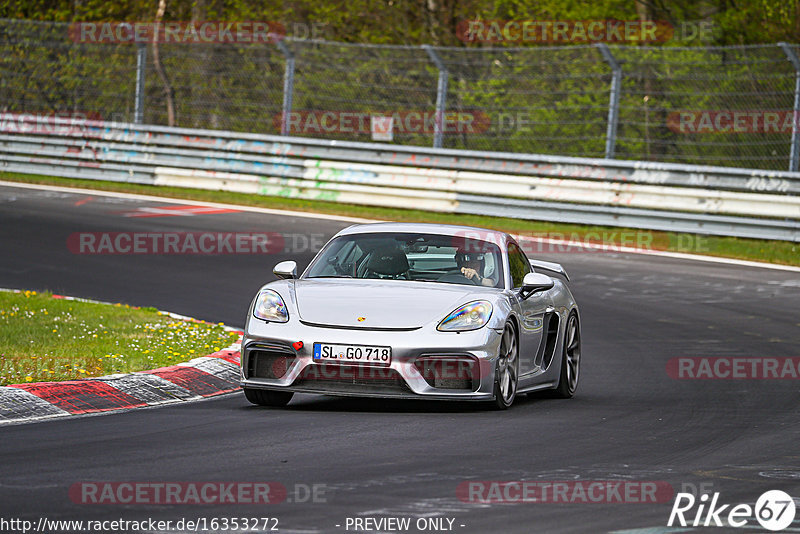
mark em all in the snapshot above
pixel 629 421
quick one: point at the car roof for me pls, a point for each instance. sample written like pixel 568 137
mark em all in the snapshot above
pixel 471 232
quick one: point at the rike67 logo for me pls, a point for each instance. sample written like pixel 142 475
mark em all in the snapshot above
pixel 774 510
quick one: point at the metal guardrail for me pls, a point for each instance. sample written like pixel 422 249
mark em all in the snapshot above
pixel 656 196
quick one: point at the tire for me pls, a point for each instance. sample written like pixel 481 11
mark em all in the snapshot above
pixel 265 397
pixel 506 374
pixel 570 359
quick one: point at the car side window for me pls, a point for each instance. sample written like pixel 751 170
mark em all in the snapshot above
pixel 518 264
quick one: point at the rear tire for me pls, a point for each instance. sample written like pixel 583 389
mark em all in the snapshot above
pixel 506 373
pixel 570 359
pixel 265 397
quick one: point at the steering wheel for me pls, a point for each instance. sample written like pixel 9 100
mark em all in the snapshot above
pixel 457 278
pixel 361 270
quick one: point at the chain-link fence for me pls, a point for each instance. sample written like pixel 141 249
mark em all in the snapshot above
pixel 730 106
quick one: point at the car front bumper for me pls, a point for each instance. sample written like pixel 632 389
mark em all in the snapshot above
pixel 426 363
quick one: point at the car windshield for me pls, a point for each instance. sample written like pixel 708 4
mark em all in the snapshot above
pixel 411 256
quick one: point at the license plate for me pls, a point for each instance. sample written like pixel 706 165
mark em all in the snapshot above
pixel 352 354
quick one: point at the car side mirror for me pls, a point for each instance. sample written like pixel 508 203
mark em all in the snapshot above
pixel 286 269
pixel 534 283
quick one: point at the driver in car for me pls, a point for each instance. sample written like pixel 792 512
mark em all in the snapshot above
pixel 472 266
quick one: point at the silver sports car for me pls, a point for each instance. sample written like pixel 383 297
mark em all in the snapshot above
pixel 413 311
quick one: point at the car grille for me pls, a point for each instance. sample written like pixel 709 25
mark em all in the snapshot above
pixel 265 363
pixel 351 378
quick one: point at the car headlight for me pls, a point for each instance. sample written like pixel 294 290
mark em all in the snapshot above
pixel 270 307
pixel 468 317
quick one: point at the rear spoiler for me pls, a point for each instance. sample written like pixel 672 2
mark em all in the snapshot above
pixel 557 268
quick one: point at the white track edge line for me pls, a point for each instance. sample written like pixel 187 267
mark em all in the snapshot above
pixel 154 198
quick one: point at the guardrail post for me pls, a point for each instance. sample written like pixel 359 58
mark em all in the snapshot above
pixel 141 65
pixel 613 100
pixel 794 155
pixel 288 85
pixel 441 96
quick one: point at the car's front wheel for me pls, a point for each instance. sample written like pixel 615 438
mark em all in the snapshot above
pixel 264 397
pixel 506 372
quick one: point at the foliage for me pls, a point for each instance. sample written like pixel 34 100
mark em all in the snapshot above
pixel 433 21
pixel 537 99
pixel 48 339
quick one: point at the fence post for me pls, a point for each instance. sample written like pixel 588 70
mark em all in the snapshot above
pixel 141 65
pixel 793 153
pixel 441 96
pixel 288 85
pixel 613 100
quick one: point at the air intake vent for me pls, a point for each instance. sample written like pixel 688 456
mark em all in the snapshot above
pixel 264 363
pixel 550 340
pixel 449 372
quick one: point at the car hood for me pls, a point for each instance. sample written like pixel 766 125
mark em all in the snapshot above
pixel 389 304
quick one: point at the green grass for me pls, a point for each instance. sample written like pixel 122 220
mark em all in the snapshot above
pixel 782 252
pixel 47 339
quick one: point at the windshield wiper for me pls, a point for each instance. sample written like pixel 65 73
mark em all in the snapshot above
pixel 332 276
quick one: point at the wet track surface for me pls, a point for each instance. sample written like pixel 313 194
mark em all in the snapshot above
pixel 629 421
